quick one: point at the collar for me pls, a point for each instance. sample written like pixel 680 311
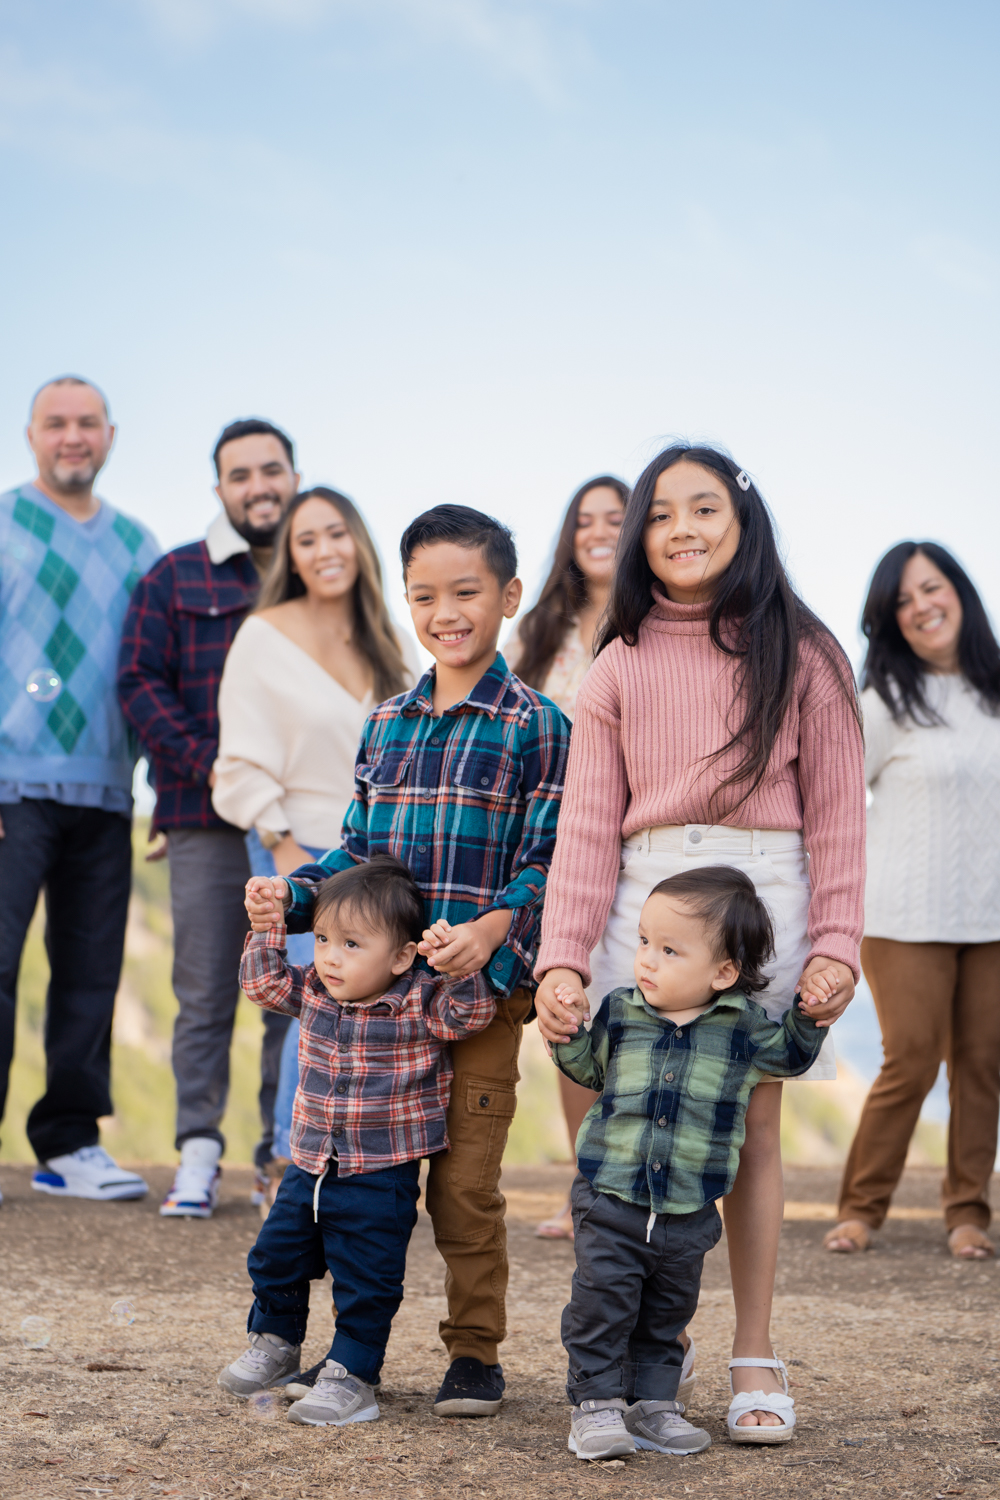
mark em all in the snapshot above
pixel 395 996
pixel 223 540
pixel 487 695
pixel 729 1000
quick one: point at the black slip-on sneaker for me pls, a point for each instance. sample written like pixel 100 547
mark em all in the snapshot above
pixel 470 1389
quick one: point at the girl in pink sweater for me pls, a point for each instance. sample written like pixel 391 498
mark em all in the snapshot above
pixel 718 725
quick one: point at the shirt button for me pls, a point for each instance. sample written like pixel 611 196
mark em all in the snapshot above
pixel 337 1130
pixel 668 1078
pixel 694 837
pixel 656 1165
pixel 435 739
pixel 421 848
pixel 341 1088
pixel 662 1121
pixel 678 1033
pixel 484 781
pixel 213 610
pixel 498 968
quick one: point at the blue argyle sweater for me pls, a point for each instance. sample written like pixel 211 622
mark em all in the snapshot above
pixel 64 590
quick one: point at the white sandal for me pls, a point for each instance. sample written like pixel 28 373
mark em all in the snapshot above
pixel 688 1377
pixel 778 1402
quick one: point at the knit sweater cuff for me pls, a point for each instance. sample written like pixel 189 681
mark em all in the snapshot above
pixel 838 946
pixel 559 953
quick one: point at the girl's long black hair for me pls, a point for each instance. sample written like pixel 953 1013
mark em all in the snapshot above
pixel 564 592
pixel 894 669
pixel 755 614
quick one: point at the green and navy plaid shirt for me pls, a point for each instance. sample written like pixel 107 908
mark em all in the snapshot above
pixel 467 799
pixel 667 1130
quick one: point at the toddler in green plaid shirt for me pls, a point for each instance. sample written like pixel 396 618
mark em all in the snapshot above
pixel 675 1058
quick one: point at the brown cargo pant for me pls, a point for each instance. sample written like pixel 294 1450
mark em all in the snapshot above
pixel 463 1188
pixel 935 1001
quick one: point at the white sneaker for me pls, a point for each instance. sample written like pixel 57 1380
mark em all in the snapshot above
pixel 196 1186
pixel 88 1173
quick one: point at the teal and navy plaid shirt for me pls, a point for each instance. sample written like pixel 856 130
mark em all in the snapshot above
pixel 468 800
pixel 667 1130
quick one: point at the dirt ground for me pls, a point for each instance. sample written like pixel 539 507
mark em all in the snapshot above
pixel 894 1358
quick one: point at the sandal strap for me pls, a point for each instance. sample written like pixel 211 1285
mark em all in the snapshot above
pixel 761 1364
pixel 773 1401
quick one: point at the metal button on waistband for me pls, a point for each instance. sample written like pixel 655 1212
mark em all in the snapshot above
pixel 662 1120
pixel 694 837
pixel 657 1165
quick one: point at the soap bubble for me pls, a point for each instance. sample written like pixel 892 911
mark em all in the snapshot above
pixel 43 685
pixel 35 1333
pixel 122 1312
pixel 264 1406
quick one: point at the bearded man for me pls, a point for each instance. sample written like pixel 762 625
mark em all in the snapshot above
pixel 181 623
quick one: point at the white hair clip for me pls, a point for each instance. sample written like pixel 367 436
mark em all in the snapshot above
pixel 743 480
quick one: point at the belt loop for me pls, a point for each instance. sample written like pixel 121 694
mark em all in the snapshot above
pixel 756 842
pixel 644 841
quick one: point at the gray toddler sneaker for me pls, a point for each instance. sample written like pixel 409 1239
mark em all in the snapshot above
pixel 660 1427
pixel 597 1430
pixel 336 1399
pixel 268 1360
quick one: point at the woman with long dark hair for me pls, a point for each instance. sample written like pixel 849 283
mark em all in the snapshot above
pixel 317 654
pixel 931 950
pixel 553 650
pixel 718 725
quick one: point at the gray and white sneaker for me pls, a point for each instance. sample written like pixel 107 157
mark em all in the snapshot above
pixel 660 1427
pixel 267 1361
pixel 336 1399
pixel 597 1430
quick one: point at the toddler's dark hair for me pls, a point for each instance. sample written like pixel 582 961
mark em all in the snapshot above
pixel 381 893
pixel 466 528
pixel 727 901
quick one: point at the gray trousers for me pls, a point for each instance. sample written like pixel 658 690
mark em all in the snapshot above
pixel 630 1300
pixel 208 873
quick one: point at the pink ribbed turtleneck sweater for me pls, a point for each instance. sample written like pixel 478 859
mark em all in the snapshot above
pixel 646 717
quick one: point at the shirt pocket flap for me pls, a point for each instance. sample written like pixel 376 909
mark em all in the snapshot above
pixel 389 769
pixel 707 1076
pixel 208 603
pixel 485 774
pixel 484 1097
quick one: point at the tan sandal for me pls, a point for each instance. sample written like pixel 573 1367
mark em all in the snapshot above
pixel 559 1227
pixel 857 1233
pixel 966 1242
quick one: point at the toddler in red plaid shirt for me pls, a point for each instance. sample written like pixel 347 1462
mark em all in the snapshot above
pixel 374 1081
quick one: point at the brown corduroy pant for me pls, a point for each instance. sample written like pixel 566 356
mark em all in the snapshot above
pixel 463 1188
pixel 935 1001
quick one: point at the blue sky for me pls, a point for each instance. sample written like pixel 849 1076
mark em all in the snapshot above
pixel 476 250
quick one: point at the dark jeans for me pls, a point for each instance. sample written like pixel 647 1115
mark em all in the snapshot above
pixel 82 857
pixel 365 1223
pixel 209 870
pixel 630 1299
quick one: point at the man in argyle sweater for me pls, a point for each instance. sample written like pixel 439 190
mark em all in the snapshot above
pixel 68 563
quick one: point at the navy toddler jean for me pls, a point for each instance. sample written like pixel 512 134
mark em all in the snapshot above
pixel 365 1223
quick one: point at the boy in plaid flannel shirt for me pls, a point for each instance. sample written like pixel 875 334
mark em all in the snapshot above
pixel 374 1082
pixel 461 778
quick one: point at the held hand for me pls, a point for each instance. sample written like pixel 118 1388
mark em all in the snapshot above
pixel 158 851
pixel 3 831
pixel 456 951
pixel 265 902
pixel 559 1000
pixel 825 990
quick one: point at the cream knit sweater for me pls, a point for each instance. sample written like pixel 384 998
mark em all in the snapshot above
pixel 646 718
pixel 934 820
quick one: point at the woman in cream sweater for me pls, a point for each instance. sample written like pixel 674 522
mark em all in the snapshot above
pixel 931 951
pixel 303 673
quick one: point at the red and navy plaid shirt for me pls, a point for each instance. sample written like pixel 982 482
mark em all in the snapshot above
pixel 374 1080
pixel 180 625
pixel 467 799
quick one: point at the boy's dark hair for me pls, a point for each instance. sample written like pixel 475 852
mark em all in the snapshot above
pixel 250 427
pixel 727 900
pixel 382 893
pixel 466 528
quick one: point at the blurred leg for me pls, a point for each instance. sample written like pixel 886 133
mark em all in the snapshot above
pixel 974 1085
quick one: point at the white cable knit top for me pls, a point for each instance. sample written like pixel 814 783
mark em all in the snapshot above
pixel 288 737
pixel 934 820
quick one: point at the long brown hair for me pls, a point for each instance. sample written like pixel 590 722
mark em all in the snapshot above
pixel 564 593
pixel 374 635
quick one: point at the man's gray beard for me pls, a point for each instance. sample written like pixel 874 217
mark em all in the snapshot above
pixel 73 480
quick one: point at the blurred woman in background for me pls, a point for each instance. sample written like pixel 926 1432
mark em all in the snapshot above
pixel 931 951
pixel 303 673
pixel 552 650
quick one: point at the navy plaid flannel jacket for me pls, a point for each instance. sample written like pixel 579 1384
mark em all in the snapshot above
pixel 467 800
pixel 178 630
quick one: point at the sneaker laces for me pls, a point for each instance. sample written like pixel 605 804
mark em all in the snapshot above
pixel 192 1181
pixel 605 1416
pixel 97 1155
pixel 259 1353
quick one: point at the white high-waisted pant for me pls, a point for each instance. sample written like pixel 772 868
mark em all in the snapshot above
pixel 776 862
